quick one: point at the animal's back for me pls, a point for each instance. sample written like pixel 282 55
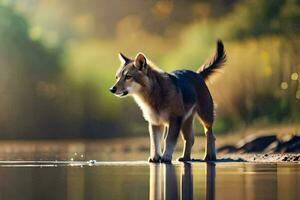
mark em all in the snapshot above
pixel 188 82
pixel 195 91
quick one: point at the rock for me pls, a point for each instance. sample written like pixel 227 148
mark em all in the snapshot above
pixel 289 145
pixel 285 158
pixel 264 144
pixel 272 148
pixel 293 148
pixel 282 146
pixel 256 143
pixel 296 158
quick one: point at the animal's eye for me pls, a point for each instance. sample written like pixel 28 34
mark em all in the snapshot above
pixel 127 77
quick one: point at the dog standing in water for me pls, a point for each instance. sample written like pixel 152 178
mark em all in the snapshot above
pixel 170 101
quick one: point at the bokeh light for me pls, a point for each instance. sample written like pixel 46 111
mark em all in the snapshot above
pixel 284 85
pixel 294 76
pixel 298 94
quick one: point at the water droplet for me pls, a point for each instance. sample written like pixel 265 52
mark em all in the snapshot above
pixel 92 162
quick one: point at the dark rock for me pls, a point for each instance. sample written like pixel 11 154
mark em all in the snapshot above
pixel 285 158
pixel 281 146
pixel 293 148
pixel 256 143
pixel 272 148
pixel 296 158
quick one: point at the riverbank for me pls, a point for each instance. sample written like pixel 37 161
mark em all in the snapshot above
pixel 276 144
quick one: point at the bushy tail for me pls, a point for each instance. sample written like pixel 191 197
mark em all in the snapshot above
pixel 207 70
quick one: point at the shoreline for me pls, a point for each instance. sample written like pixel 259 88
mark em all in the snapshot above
pixel 264 157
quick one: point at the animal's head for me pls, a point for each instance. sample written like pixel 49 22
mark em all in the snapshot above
pixel 132 75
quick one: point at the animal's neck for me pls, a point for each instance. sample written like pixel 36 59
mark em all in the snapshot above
pixel 152 94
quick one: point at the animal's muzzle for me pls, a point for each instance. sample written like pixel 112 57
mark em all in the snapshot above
pixel 113 89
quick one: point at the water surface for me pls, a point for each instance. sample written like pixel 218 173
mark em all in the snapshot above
pixel 140 180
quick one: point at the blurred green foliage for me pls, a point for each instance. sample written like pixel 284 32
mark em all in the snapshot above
pixel 58 59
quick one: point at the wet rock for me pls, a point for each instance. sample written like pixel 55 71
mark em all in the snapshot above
pixel 256 143
pixel 284 145
pixel 272 148
pixel 296 158
pixel 264 144
pixel 285 158
pixel 293 148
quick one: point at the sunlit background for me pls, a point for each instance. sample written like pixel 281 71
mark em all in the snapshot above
pixel 58 59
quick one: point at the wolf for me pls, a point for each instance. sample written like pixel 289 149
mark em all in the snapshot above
pixel 170 102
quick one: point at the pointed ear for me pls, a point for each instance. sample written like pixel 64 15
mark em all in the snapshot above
pixel 123 58
pixel 140 61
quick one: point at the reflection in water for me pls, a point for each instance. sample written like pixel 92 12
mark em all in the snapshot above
pixel 155 182
pixel 132 181
pixel 210 180
pixel 186 182
pixel 169 182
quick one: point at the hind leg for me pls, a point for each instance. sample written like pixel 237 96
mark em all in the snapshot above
pixel 207 118
pixel 205 112
pixel 188 139
pixel 210 149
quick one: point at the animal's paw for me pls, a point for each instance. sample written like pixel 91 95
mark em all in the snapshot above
pixel 154 159
pixel 184 159
pixel 166 159
pixel 210 157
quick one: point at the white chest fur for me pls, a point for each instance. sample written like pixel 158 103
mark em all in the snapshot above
pixel 151 115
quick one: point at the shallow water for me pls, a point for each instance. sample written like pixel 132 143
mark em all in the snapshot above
pixel 140 180
pixel 57 170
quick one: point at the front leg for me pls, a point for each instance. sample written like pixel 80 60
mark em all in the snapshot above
pixel 171 139
pixel 155 149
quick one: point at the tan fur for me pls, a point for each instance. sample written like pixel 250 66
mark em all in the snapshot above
pixel 163 106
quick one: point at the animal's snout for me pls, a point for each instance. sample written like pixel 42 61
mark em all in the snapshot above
pixel 113 89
